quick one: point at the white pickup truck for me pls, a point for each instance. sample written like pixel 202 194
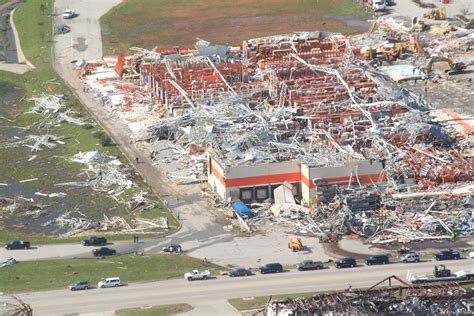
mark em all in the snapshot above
pixel 69 14
pixel 197 275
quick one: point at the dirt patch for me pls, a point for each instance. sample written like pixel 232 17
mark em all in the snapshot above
pixel 148 23
pixel 333 250
pixel 435 245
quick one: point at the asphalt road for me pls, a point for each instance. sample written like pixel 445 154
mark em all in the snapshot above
pixel 212 293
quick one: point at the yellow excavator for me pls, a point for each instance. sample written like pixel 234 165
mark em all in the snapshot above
pixel 436 14
pixel 393 51
pixel 295 244
pixel 454 68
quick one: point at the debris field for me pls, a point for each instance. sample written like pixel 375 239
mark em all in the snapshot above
pixel 313 130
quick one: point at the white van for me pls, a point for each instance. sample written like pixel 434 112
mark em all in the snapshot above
pixel 109 282
pixel 379 5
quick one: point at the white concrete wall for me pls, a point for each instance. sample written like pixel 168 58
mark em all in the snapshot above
pixel 357 168
pixel 263 169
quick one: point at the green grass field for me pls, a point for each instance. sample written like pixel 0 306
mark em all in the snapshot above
pixel 150 23
pixel 59 273
pixel 162 310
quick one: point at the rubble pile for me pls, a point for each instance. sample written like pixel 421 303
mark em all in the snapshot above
pixel 103 173
pixel 446 298
pixel 310 99
pixel 52 107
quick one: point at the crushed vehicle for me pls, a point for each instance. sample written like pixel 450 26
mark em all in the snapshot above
pixel 197 275
pixel 310 265
pixel 94 241
pixel 17 244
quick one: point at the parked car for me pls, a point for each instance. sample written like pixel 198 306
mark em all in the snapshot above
pixel 410 257
pixel 80 285
pixel 173 248
pixel 345 263
pixel 94 241
pixel 309 265
pixel 377 259
pixel 104 251
pixel 270 268
pixel 197 275
pixel 471 255
pixel 239 272
pixel 447 255
pixel 18 244
pixel 68 14
pixel 109 282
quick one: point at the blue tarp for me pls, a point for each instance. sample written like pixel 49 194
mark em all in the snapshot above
pixel 242 209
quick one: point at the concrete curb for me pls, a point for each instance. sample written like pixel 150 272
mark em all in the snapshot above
pixel 19 51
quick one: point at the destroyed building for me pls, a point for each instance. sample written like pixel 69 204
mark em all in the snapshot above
pixel 433 299
pixel 304 108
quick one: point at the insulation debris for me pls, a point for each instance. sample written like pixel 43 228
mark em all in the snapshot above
pixel 102 173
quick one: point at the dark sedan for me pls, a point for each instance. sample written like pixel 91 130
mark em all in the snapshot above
pixel 17 244
pixel 104 251
pixel 239 272
pixel 345 263
pixel 447 255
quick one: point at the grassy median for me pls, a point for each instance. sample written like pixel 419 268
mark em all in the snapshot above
pixel 150 23
pixel 59 273
pixel 161 310
pixel 258 302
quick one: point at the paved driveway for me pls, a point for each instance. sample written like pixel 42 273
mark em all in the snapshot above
pixel 85 40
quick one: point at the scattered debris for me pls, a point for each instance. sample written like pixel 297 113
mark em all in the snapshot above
pixel 446 298
pixel 61 29
pixel 315 123
pixel 102 173
pixel 8 262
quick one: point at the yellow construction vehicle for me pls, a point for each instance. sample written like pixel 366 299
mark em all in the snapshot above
pixel 454 68
pixel 419 26
pixel 393 51
pixel 436 14
pixel 295 244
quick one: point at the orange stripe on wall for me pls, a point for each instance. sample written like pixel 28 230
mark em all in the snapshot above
pixel 262 180
pixel 306 181
pixel 292 177
pixel 467 127
pixel 218 175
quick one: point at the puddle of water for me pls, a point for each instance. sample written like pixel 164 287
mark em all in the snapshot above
pixel 8 52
